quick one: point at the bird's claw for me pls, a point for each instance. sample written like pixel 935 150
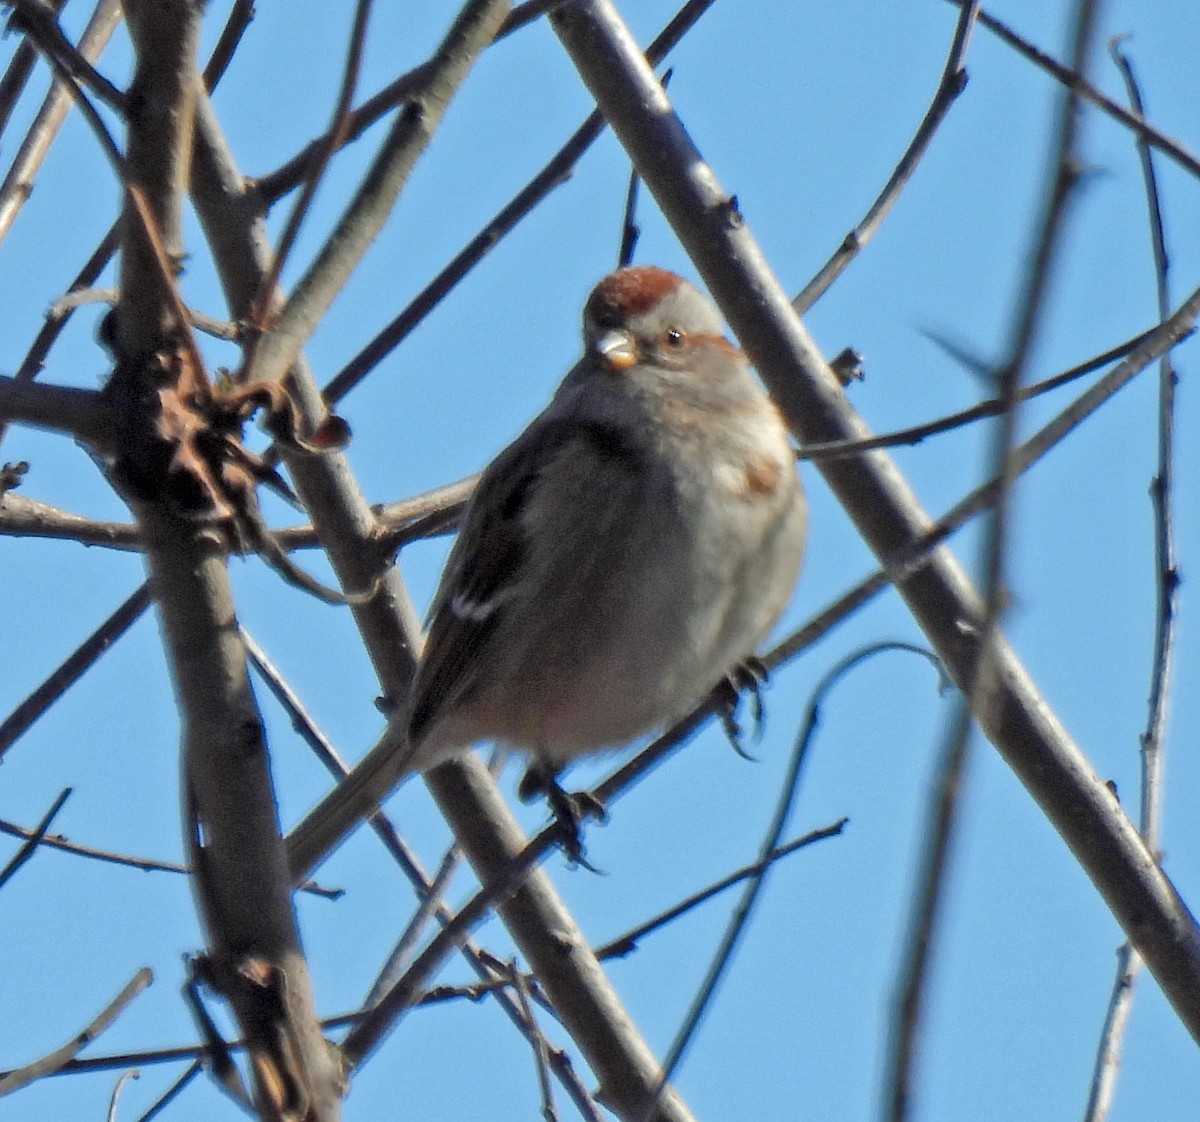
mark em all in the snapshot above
pixel 748 677
pixel 570 808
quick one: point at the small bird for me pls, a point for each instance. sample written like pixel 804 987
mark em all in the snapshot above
pixel 623 557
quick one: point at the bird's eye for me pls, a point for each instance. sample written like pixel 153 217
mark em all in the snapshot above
pixel 674 339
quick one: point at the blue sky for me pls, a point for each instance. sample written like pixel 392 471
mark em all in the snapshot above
pixel 802 113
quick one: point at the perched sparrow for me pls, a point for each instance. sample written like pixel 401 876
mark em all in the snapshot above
pixel 626 554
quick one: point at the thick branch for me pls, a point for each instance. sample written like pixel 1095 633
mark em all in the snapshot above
pixel 240 868
pixel 80 413
pixel 1011 711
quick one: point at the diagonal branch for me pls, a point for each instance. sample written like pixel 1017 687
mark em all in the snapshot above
pixel 48 1065
pixel 952 83
pixel 1146 132
pixel 472 31
pixel 556 171
pixel 1011 711
pixel 34 839
pixel 18 183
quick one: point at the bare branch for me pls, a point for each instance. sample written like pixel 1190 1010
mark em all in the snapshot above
pixel 625 943
pixel 952 82
pixel 39 20
pixel 240 14
pixel 14 1080
pixel 274 185
pixel 1147 133
pixel 255 959
pixel 992 407
pixel 555 172
pixel 18 183
pixel 474 28
pixel 261 308
pixel 142 864
pixel 1129 962
pixel 35 838
pixel 65 409
pixel 938 844
pixel 774 835
pixel 1016 718
pixel 20 66
pixel 21 516
pixel 73 668
pixel 116 1095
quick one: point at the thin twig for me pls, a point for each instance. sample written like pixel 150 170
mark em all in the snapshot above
pixel 241 13
pixel 339 127
pixel 381 1018
pixel 142 864
pixel 34 839
pixel 74 72
pixel 992 407
pixel 81 297
pixel 1129 963
pixel 1168 146
pixel 20 66
pixel 275 184
pixel 630 230
pixel 18 183
pixel 627 942
pixel 116 1094
pixel 541 1046
pixel 73 667
pixel 556 171
pixel 432 905
pixel 169 1095
pixel 741 916
pixel 929 893
pixel 39 21
pixel 48 1065
pixel 474 27
pixel 952 83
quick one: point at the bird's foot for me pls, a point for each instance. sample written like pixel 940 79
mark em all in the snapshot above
pixel 746 677
pixel 570 808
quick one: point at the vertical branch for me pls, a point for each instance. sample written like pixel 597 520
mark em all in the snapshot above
pixel 1129 962
pixel 940 835
pixel 241 878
